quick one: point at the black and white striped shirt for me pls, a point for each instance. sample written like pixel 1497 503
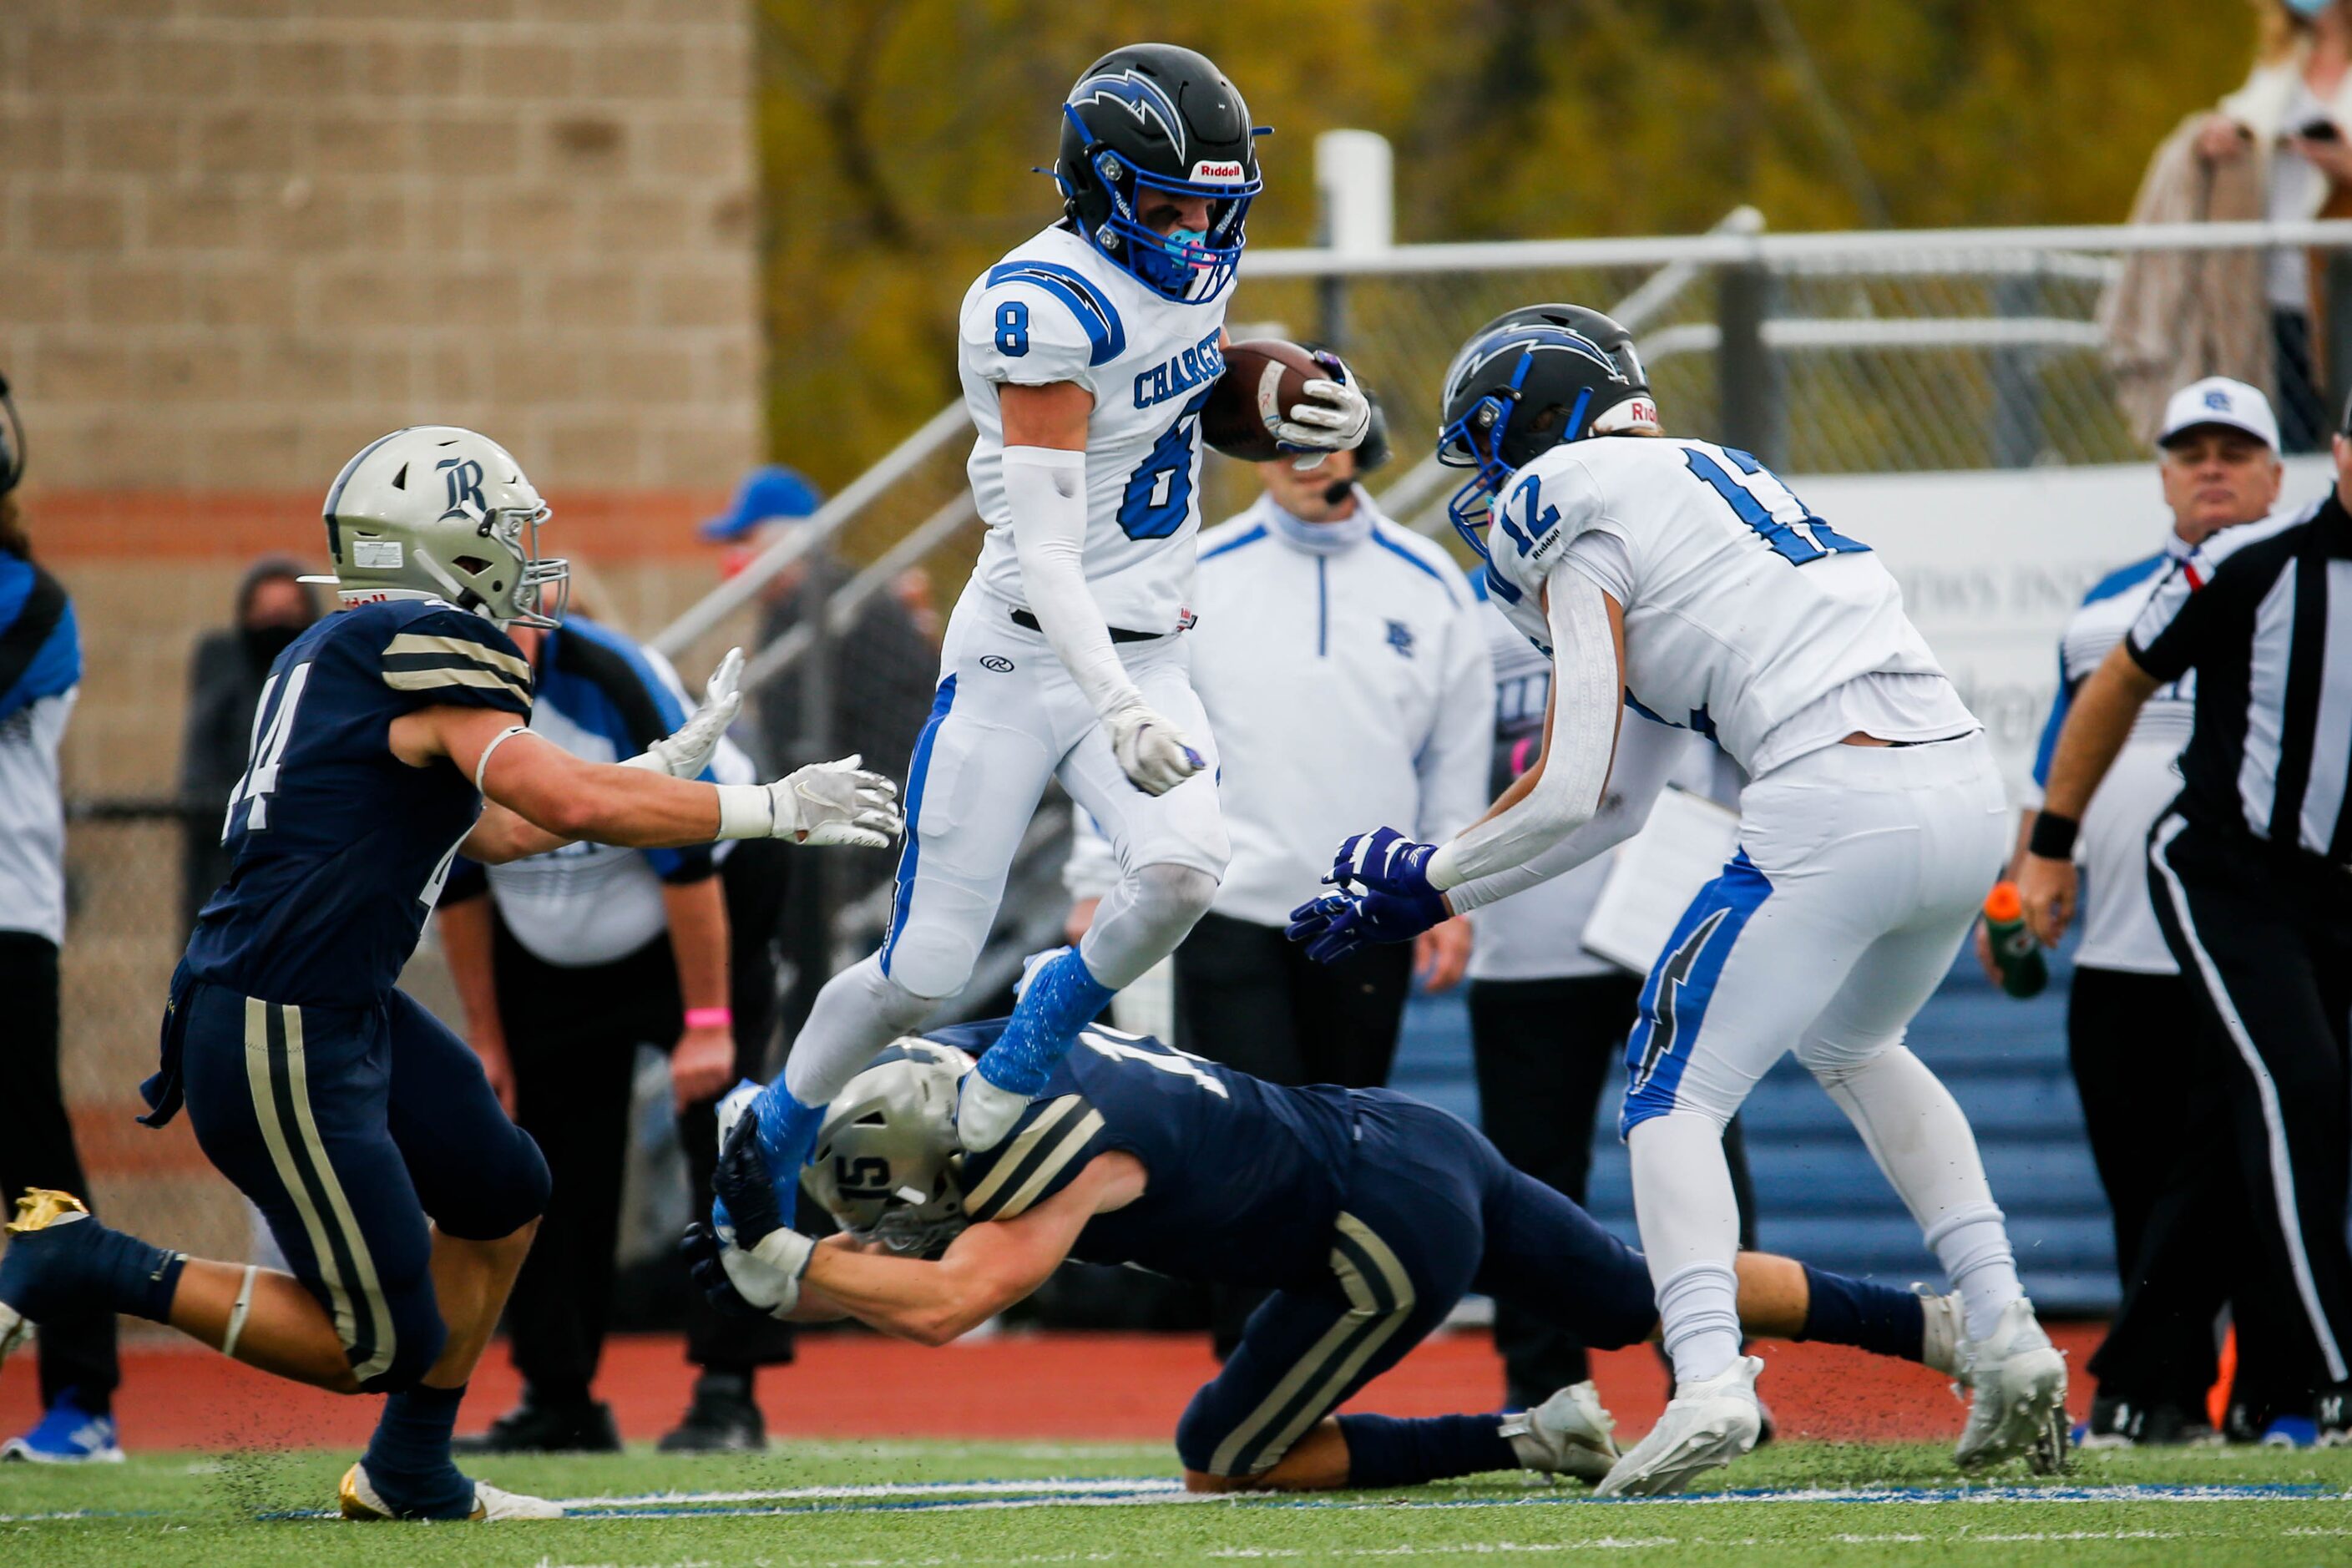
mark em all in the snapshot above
pixel 2270 635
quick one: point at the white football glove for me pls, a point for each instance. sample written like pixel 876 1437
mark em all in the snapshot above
pixel 824 803
pixel 769 1275
pixel 1151 751
pixel 687 750
pixel 1335 421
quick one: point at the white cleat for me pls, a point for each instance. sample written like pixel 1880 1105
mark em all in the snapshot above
pixel 1567 1434
pixel 357 1499
pixel 1947 1333
pixel 1707 1425
pixel 985 1113
pixel 2017 1386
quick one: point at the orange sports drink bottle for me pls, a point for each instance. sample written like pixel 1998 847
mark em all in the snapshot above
pixel 2014 952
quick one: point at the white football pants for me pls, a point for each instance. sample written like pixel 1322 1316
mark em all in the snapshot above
pixel 1007 719
pixel 1859 870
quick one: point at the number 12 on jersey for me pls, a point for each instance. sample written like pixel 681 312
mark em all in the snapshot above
pixel 1768 506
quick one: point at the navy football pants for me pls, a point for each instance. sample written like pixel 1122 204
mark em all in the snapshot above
pixel 1431 1212
pixel 350 1127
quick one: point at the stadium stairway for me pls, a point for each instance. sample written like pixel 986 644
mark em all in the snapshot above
pixel 1819 1196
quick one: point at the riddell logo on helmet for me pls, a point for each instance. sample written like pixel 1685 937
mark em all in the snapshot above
pixel 1224 173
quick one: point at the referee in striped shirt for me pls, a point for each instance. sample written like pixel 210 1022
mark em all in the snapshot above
pixel 2250 873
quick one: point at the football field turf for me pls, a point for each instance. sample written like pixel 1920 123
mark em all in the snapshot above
pixel 882 1505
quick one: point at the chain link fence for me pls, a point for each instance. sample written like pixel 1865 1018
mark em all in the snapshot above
pixel 1825 354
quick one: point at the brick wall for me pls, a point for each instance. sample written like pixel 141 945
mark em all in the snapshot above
pixel 240 238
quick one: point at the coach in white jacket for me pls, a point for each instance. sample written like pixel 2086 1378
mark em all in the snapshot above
pixel 1344 668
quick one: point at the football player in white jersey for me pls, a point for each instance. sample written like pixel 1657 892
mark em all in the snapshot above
pixel 1681 578
pixel 1087 355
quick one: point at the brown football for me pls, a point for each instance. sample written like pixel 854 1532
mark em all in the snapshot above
pixel 1264 377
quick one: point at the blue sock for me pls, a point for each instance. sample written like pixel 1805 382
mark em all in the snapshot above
pixel 1062 998
pixel 1877 1317
pixel 409 1459
pixel 1392 1451
pixel 787 1131
pixel 73 1268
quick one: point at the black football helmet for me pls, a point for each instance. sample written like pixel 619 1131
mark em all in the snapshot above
pixel 1526 382
pixel 12 441
pixel 1157 117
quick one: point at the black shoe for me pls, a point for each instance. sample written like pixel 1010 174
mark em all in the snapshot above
pixel 720 1420
pixel 2115 1423
pixel 2331 1412
pixel 532 1427
pixel 2245 1422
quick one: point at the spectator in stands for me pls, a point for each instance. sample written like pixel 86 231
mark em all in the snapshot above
pixel 565 963
pixel 1343 666
pixel 224 678
pixel 40 674
pixel 1547 1018
pixel 868 692
pixel 2140 1073
pixel 2293 119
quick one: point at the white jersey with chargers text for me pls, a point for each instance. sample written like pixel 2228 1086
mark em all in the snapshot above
pixel 1055 310
pixel 1747 617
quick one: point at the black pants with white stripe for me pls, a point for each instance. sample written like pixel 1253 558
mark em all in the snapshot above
pixel 36 1150
pixel 2266 938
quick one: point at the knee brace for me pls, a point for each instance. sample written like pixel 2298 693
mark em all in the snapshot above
pixel 1142 920
pixel 411 1318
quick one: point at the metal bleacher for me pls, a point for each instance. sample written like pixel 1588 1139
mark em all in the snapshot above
pixel 1819 1196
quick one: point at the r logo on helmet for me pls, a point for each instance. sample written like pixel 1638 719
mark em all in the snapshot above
pixel 465 478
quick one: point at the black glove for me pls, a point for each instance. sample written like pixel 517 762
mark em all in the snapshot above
pixel 699 1248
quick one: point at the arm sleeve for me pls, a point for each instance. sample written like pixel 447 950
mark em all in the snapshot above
pixel 1049 1146
pixel 455 658
pixel 1092 868
pixel 1453 762
pixel 1646 752
pixel 1036 324
pixel 1588 696
pixel 1046 490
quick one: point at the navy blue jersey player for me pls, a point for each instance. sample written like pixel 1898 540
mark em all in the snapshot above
pixel 1368 1213
pixel 402 1197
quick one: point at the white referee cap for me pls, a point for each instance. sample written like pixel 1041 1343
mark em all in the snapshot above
pixel 2218 400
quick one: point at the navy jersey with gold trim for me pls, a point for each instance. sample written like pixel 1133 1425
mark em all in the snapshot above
pixel 1245 1177
pixel 338 850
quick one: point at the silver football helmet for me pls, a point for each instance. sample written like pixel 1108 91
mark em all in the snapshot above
pixel 441 513
pixel 885 1163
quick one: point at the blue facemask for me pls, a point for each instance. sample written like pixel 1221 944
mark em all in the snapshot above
pixel 2307 9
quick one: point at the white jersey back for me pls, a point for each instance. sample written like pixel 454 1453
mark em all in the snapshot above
pixel 1055 310
pixel 1744 612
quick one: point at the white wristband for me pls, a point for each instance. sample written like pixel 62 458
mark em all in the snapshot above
pixel 482 763
pixel 746 811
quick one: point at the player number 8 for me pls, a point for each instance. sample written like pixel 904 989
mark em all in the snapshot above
pixel 1013 328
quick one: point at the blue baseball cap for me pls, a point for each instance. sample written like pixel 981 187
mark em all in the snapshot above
pixel 766 493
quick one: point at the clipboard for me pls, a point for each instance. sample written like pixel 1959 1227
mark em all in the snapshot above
pixel 1656 873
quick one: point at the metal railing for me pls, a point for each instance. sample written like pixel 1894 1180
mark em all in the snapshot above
pixel 1996 294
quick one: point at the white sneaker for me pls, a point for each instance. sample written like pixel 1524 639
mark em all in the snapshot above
pixel 2017 1386
pixel 1947 1333
pixel 985 1113
pixel 1567 1434
pixel 357 1499
pixel 1708 1424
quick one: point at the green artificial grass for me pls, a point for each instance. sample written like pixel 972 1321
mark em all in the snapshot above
pixel 231 1511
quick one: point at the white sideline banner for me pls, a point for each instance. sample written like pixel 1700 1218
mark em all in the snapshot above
pixel 1993 563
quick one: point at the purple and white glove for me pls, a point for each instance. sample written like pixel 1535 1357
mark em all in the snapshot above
pixel 1384 861
pixel 1339 925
